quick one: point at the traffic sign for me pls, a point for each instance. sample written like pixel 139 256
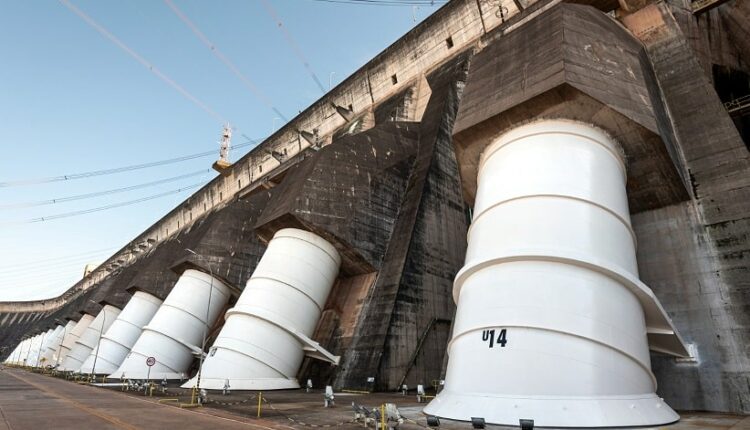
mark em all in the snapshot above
pixel 150 361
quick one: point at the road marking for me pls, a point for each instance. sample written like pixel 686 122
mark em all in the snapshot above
pixel 7 423
pixel 81 406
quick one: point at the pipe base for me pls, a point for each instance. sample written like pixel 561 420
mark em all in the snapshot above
pixel 578 412
pixel 255 384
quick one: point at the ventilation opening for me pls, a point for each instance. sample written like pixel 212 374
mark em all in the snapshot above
pixel 733 88
pixel 449 42
pixel 394 79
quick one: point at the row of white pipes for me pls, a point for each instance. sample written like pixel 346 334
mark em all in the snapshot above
pixel 552 322
pixel 261 346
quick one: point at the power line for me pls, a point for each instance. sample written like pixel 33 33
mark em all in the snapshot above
pixel 106 207
pixel 387 2
pixel 66 257
pixel 215 50
pixel 169 81
pixel 297 51
pixel 102 193
pixel 44 271
pixel 72 176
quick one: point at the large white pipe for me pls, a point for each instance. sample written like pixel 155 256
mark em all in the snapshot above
pixel 12 357
pixel 261 344
pixel 34 346
pixel 23 356
pixel 55 347
pixel 72 336
pixel 552 320
pixel 17 355
pixel 90 338
pixel 26 352
pixel 49 343
pixel 175 333
pixel 22 353
pixel 36 357
pixel 122 335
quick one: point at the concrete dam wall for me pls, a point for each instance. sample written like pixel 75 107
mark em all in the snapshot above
pixel 374 188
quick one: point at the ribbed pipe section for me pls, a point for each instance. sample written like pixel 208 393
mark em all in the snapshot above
pixel 50 343
pixel 89 340
pixel 175 333
pixel 547 328
pixel 18 355
pixel 259 347
pixel 34 346
pixel 72 336
pixel 36 355
pixel 56 346
pixel 122 335
pixel 13 357
pixel 26 351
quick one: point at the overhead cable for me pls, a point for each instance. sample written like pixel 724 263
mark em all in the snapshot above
pixel 102 193
pixel 297 51
pixel 68 177
pixel 387 2
pixel 223 58
pixel 106 207
pixel 169 81
pixel 65 257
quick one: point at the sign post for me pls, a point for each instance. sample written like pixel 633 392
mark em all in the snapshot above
pixel 149 362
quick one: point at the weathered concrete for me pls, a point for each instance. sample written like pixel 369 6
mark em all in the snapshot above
pixel 389 178
pixel 30 401
pixel 703 246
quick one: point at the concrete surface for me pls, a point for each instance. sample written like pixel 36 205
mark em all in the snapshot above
pixel 33 401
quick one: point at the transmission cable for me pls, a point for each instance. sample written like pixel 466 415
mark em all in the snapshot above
pixel 106 207
pixel 169 81
pixel 387 2
pixel 102 193
pixel 66 257
pixel 297 51
pixel 223 58
pixel 41 268
pixel 83 175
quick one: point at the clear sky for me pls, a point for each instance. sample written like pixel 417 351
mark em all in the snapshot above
pixel 72 101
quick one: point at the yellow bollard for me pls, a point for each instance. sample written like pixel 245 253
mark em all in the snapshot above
pixel 260 399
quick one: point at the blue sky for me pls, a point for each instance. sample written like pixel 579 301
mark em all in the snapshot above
pixel 71 101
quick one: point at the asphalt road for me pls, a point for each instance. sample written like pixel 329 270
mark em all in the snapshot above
pixel 32 401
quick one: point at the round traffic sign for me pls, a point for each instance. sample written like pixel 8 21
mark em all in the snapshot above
pixel 150 361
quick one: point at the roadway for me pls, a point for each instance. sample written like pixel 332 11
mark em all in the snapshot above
pixel 33 401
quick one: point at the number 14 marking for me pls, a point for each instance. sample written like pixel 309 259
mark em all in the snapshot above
pixel 489 335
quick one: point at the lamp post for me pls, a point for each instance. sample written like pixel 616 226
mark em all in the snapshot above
pixel 96 355
pixel 208 312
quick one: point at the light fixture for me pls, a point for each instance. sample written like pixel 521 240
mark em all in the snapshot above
pixel 477 422
pixel 433 421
